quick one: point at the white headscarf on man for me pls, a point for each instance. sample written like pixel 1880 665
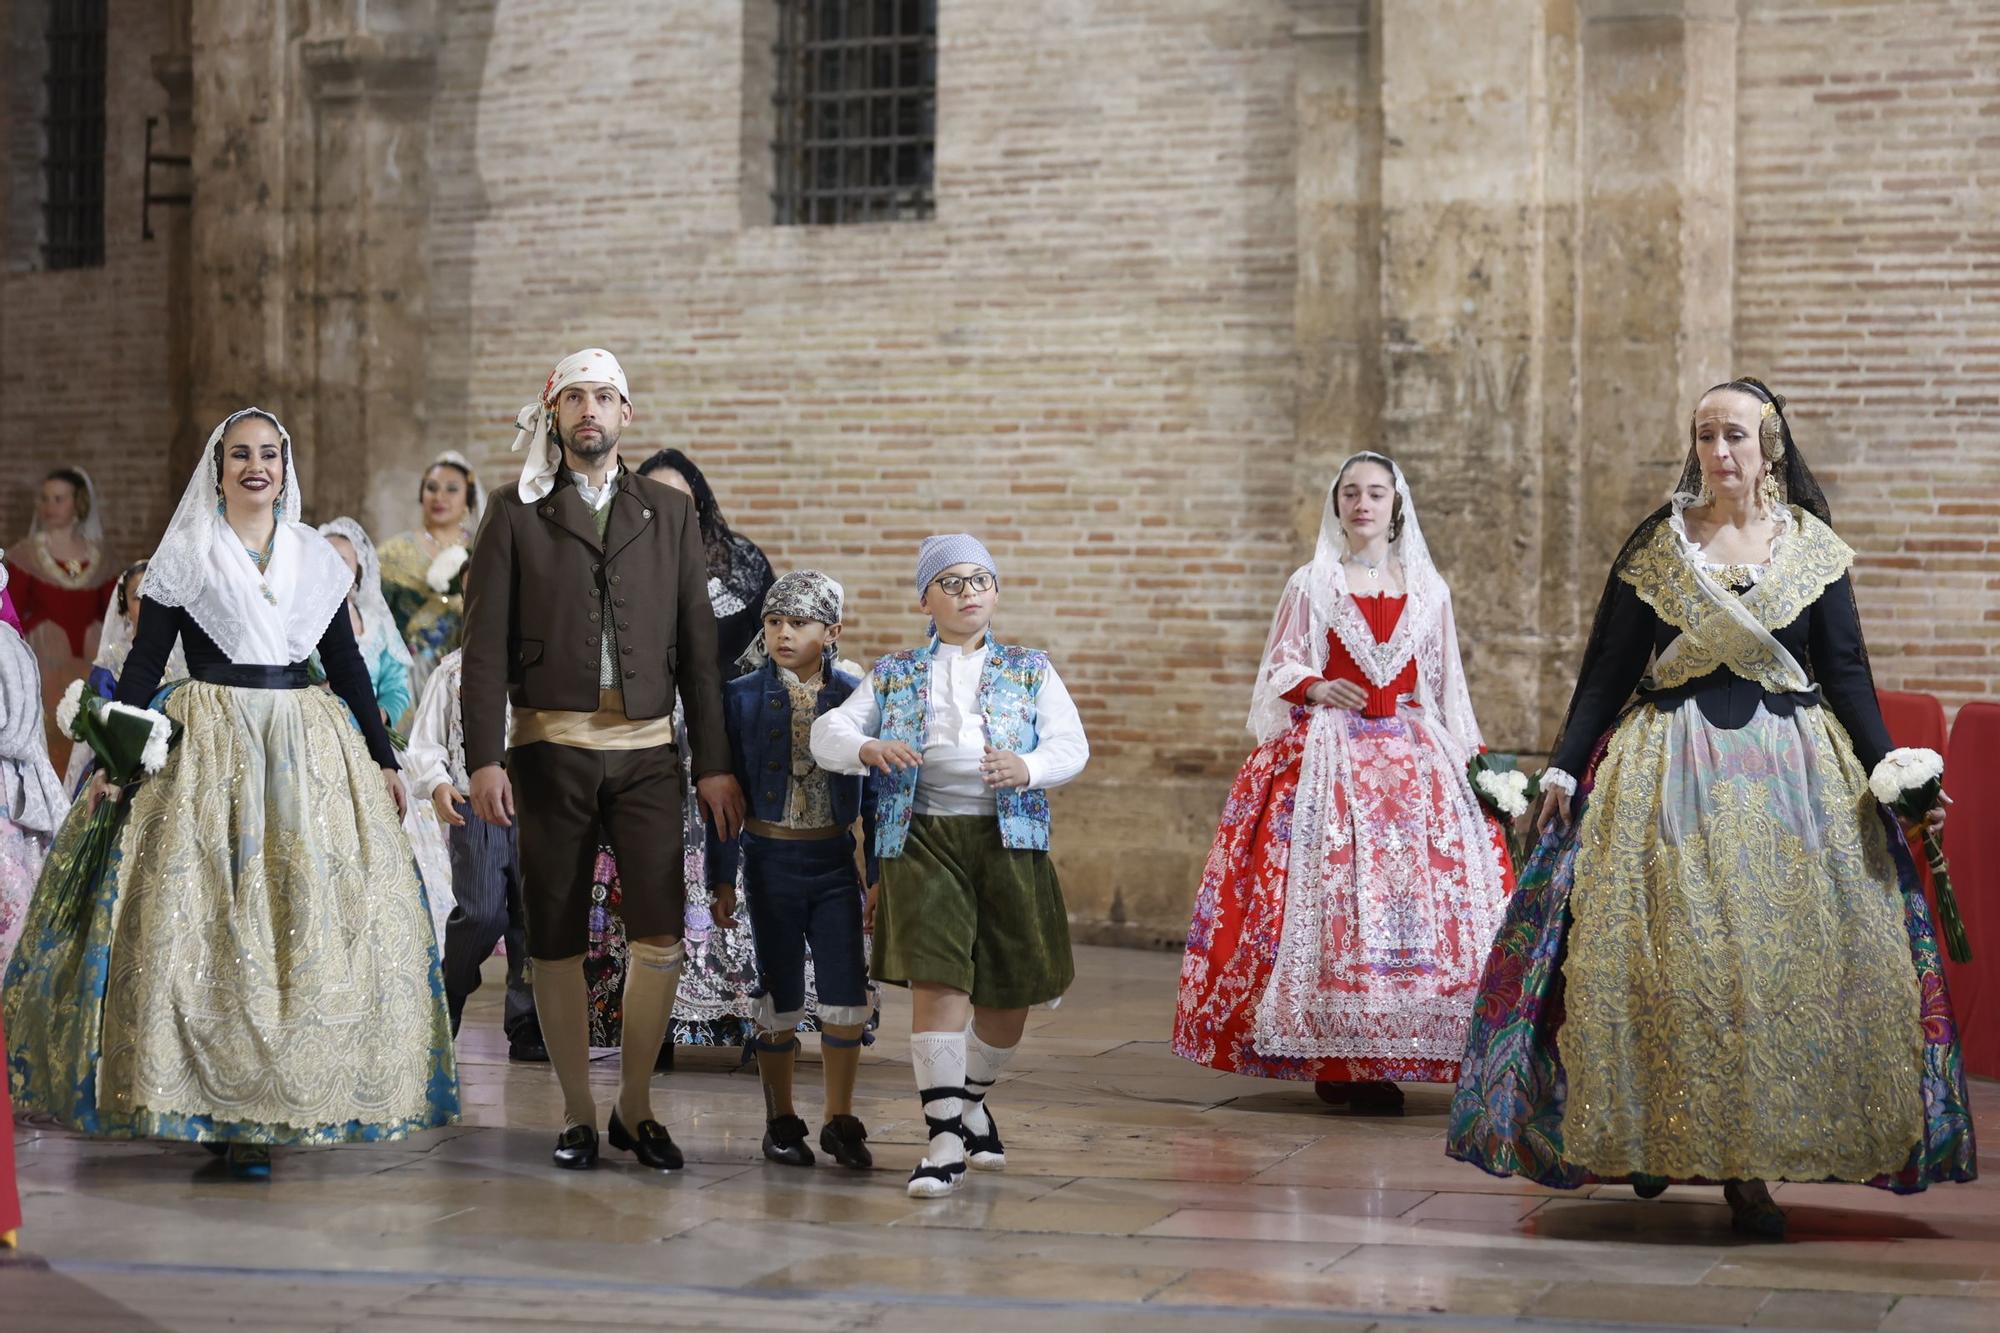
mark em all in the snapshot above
pixel 202 566
pixel 535 424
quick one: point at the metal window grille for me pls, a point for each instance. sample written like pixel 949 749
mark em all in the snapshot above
pixel 856 111
pixel 73 128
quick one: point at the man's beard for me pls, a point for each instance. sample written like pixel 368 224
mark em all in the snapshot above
pixel 590 448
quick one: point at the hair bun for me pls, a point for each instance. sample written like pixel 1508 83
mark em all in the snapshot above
pixel 1778 400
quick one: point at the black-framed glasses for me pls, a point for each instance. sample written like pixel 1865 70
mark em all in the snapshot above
pixel 954 584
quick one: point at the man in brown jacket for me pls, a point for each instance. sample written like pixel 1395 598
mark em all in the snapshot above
pixel 586 605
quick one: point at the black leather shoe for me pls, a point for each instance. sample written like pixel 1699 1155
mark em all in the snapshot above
pixel 527 1049
pixel 576 1149
pixel 785 1141
pixel 652 1145
pixel 1649 1187
pixel 1376 1098
pixel 845 1140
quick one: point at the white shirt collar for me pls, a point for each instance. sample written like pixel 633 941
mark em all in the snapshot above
pixel 790 677
pixel 596 496
pixel 953 650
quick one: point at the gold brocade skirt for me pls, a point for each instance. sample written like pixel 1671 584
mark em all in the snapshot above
pixel 257 962
pixel 1740 996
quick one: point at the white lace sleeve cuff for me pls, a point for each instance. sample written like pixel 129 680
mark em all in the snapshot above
pixel 1554 779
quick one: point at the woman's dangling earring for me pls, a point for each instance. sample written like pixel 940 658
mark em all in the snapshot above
pixel 1768 493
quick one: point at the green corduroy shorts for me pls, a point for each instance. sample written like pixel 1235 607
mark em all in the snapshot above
pixel 959 909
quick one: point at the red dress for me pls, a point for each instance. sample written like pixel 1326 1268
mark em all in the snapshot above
pixel 71 602
pixel 1355 954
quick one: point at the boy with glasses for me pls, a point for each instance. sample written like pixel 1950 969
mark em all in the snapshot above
pixel 970 734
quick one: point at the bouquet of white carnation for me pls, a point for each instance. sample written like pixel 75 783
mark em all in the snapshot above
pixel 1509 794
pixel 130 743
pixel 1910 783
pixel 447 573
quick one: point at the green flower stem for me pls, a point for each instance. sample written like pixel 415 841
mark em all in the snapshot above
pixel 1956 946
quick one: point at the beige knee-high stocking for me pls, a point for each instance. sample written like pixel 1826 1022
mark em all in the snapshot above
pixel 562 998
pixel 842 1062
pixel 775 1065
pixel 652 978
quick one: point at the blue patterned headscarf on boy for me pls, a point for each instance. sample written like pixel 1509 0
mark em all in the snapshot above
pixel 940 553
pixel 803 594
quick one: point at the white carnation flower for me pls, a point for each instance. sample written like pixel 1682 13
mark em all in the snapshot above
pixel 446 567
pixel 1508 791
pixel 1902 771
pixel 66 709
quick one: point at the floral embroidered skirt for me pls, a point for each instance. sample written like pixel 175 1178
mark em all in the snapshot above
pixel 255 961
pixel 1724 969
pixel 719 985
pixel 21 854
pixel 1361 965
pixel 10 1189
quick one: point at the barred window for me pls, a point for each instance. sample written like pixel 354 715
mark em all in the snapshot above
pixel 856 104
pixel 73 134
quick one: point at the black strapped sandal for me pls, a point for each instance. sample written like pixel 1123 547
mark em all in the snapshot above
pixel 984 1152
pixel 932 1180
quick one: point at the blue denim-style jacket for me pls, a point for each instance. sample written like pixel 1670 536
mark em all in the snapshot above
pixel 757 714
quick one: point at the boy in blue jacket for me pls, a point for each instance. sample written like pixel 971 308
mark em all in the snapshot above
pixel 799 875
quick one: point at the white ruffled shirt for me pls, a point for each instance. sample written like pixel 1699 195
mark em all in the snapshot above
pixel 949 782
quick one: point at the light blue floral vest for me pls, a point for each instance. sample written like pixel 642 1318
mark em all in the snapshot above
pixel 1008 688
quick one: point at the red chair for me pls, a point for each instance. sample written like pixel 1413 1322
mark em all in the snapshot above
pixel 1972 845
pixel 1916 721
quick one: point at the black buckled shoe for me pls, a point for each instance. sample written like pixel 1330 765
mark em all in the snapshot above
pixel 652 1145
pixel 1753 1212
pixel 576 1148
pixel 526 1048
pixel 785 1141
pixel 1376 1098
pixel 845 1140
pixel 249 1161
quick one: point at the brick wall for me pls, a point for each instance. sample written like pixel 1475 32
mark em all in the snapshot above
pixel 1087 358
pixel 1868 291
pixel 83 352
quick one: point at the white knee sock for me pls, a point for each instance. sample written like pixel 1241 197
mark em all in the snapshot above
pixel 938 1059
pixel 983 1064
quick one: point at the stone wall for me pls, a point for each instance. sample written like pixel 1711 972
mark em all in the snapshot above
pixel 1868 288
pixel 1087 358
pixel 83 352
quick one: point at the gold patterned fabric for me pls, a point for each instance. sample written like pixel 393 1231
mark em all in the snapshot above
pixel 1741 1000
pixel 1719 627
pixel 258 963
pixel 808 796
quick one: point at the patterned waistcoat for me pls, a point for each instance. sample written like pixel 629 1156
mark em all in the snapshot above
pixel 1008 686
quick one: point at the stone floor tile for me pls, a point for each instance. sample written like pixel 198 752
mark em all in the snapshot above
pixel 1822 1310
pixel 1141 1193
pixel 1644 1303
